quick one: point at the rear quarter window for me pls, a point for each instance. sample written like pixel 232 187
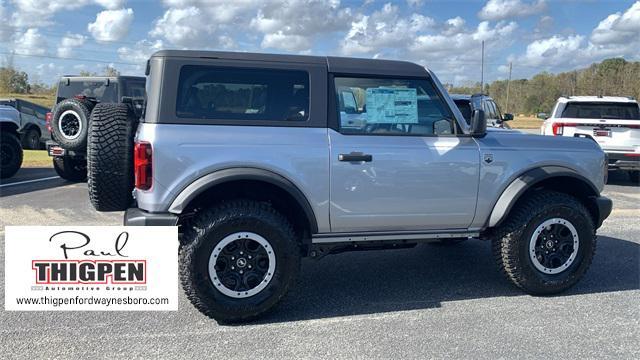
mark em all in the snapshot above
pixel 601 110
pixel 211 92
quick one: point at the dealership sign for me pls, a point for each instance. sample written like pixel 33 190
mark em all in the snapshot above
pixel 91 268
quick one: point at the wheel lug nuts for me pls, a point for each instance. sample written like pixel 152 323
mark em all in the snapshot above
pixel 241 253
pixel 233 258
pixel 249 266
pixel 249 256
pixel 233 268
pixel 241 271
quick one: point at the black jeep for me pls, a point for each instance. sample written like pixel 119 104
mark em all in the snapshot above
pixel 69 120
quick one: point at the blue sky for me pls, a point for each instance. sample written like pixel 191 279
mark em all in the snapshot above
pixel 50 38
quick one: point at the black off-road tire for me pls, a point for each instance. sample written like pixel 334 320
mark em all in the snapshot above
pixel 71 169
pixel 31 139
pixel 110 156
pixel 511 242
pixel 11 153
pixel 208 229
pixel 70 123
pixel 634 176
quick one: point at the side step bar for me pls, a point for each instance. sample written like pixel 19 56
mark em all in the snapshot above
pixel 390 236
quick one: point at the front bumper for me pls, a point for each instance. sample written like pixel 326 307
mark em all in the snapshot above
pixel 138 217
pixel 604 205
pixel 624 161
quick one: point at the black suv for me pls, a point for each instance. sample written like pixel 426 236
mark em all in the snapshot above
pixel 69 120
pixel 468 103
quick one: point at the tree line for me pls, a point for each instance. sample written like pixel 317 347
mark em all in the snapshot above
pixel 614 77
pixel 15 81
pixel 611 77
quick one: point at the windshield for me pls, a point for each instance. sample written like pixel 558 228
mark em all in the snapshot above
pixel 97 89
pixel 601 110
pixel 465 108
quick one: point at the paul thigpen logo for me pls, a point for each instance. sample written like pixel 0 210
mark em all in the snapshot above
pixel 116 269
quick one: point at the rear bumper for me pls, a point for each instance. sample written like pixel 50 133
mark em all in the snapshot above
pixel 604 205
pixel 55 150
pixel 137 217
pixel 624 161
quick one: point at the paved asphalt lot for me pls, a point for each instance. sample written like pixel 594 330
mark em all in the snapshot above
pixel 426 302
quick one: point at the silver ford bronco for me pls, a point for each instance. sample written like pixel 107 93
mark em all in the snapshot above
pixel 264 159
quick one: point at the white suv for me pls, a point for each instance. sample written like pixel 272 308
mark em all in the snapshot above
pixel 613 122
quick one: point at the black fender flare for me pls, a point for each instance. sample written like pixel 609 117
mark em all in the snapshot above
pixel 526 181
pixel 233 174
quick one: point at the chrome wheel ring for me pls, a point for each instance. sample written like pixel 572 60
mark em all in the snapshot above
pixel 242 264
pixel 554 245
pixel 70 125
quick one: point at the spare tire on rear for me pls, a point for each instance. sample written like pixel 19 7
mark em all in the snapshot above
pixel 110 156
pixel 70 123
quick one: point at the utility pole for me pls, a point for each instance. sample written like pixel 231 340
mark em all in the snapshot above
pixel 482 70
pixel 508 85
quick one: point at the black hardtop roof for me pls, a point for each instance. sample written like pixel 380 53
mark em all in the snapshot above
pixel 334 64
pixel 83 78
pixel 467 96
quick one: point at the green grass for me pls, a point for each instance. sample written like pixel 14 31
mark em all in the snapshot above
pixel 40 99
pixel 525 122
pixel 36 158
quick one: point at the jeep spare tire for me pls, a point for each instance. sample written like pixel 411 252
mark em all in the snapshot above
pixel 70 123
pixel 110 156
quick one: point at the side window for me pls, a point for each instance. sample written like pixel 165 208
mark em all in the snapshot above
pixel 498 113
pixel 490 112
pixel 465 108
pixel 209 92
pixel 384 106
pixel 134 88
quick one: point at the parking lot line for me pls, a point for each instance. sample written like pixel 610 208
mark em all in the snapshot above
pixel 29 181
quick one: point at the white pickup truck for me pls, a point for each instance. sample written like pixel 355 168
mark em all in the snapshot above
pixel 611 121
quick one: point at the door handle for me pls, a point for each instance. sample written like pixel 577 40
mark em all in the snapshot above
pixel 355 157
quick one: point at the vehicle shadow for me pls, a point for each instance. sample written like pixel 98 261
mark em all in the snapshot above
pixel 23 181
pixel 621 178
pixel 426 276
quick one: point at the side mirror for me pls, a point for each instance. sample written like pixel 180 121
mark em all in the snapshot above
pixel 507 117
pixel 478 123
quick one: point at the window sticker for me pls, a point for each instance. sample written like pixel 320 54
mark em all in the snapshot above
pixel 390 105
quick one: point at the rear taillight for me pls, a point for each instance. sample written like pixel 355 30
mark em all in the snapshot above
pixel 558 127
pixel 47 120
pixel 142 168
